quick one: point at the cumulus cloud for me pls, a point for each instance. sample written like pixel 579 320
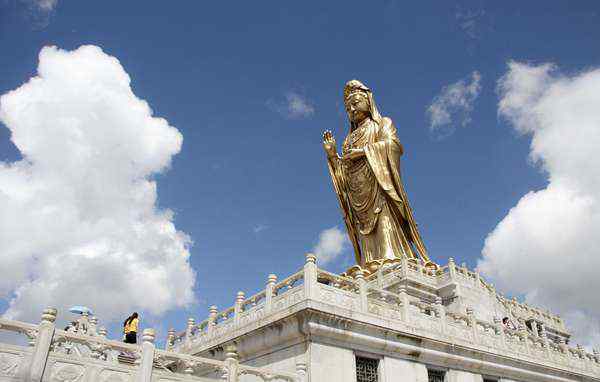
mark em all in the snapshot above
pixel 332 243
pixel 546 246
pixel 293 106
pixel 259 228
pixel 44 5
pixel 453 105
pixel 79 221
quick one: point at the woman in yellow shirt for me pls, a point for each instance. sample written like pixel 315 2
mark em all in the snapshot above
pixel 130 328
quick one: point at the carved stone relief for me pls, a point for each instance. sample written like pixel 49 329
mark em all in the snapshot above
pixel 66 372
pixel 9 364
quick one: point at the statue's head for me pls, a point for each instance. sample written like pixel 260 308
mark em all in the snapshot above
pixel 359 103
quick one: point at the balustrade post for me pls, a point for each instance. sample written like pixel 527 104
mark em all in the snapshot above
pixel 499 329
pixel 269 290
pixel 472 322
pixel 232 363
pixel 420 268
pixel 451 268
pixel 380 277
pixel 310 276
pixel 189 331
pixel 145 368
pixel 405 303
pixel 596 355
pixel 237 309
pixel 404 262
pixel 523 333
pixel 301 370
pixel 563 346
pixel 93 326
pixel 212 319
pixel 102 332
pixel 441 312
pixel 43 342
pixel 534 328
pixel 362 290
pixel 170 339
pixel 83 323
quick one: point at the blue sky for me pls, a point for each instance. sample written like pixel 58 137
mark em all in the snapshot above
pixel 250 185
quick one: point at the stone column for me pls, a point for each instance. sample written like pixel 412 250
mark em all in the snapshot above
pixel 231 360
pixel 212 319
pixel 362 290
pixel 269 291
pixel 42 345
pixel 237 309
pixel 145 369
pixel 310 276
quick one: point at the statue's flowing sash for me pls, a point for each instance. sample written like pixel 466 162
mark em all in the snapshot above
pixel 337 177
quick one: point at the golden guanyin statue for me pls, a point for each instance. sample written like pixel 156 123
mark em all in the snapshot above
pixel 367 180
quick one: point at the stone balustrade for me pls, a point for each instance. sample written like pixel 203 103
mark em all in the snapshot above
pixel 51 354
pixel 425 316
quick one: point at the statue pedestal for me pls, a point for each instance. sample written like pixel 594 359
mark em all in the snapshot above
pixel 404 322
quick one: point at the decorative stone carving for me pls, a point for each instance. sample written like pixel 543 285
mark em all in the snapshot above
pixel 9 364
pixel 114 376
pixel 65 372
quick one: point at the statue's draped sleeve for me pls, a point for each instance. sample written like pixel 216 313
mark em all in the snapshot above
pixel 384 159
pixel 340 186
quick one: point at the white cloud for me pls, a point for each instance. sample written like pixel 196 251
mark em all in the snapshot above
pixel 332 242
pixel 453 105
pixel 79 221
pixel 45 5
pixel 546 246
pixel 470 22
pixel 259 228
pixel 295 106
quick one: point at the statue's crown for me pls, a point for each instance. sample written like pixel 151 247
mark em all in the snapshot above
pixel 354 86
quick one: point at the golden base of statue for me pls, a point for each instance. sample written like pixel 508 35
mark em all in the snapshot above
pixel 373 266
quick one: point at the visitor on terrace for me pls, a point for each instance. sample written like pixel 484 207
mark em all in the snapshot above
pixel 130 328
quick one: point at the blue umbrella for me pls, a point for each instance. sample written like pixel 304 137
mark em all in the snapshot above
pixel 78 309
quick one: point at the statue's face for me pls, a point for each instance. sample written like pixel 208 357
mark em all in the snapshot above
pixel 357 106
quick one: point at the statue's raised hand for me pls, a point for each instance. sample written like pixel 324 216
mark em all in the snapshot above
pixel 329 144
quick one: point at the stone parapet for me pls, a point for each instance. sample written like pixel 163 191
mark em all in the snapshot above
pixel 450 308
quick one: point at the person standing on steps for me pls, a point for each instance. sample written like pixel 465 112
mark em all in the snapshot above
pixel 130 328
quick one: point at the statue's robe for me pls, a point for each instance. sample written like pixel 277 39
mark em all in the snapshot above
pixel 378 215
